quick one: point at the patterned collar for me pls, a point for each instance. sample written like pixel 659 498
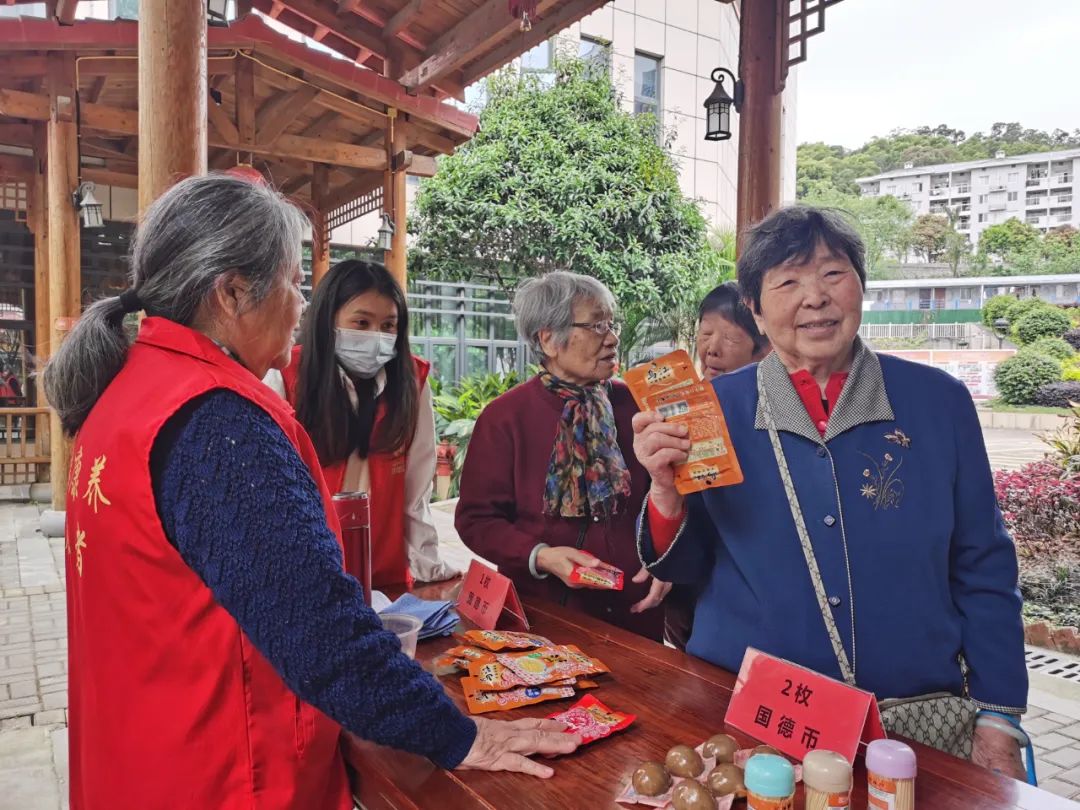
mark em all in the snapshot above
pixel 863 399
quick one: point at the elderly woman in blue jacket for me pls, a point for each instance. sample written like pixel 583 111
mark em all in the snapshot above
pixel 865 541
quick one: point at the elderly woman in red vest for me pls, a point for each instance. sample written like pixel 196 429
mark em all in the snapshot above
pixel 364 400
pixel 550 480
pixel 216 646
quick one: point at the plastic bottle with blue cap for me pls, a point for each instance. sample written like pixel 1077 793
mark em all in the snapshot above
pixel 770 783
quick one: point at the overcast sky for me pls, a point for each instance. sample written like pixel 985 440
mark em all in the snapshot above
pixel 883 64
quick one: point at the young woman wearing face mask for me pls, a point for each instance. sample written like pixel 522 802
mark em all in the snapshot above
pixel 365 401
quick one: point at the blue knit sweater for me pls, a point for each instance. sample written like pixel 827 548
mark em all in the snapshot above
pixel 279 574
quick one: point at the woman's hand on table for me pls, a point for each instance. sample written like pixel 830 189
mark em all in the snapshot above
pixel 507 745
pixel 657 591
pixel 560 561
pixel 660 445
pixel 998 751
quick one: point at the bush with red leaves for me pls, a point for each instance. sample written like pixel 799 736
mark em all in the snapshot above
pixel 1041 507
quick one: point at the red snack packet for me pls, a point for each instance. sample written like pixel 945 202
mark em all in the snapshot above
pixel 593 720
pixel 480 702
pixel 603 576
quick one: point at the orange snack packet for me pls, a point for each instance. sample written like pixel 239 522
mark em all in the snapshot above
pixel 712 461
pixel 673 370
pixel 502 639
pixel 480 702
pixel 542 666
pixel 670 385
pixel 457 659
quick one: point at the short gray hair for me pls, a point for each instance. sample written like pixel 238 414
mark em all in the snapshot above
pixel 548 302
pixel 193 235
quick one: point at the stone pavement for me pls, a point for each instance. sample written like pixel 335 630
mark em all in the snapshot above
pixel 33 665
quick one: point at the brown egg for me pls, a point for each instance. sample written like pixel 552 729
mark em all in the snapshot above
pixel 691 795
pixel 766 749
pixel 682 760
pixel 725 779
pixel 721 746
pixel 650 779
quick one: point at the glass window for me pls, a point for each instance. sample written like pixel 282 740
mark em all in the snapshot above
pixel 506 358
pixel 538 58
pixel 476 327
pixel 646 84
pixel 505 329
pixel 476 360
pixel 444 362
pixel 596 54
pixel 1013 196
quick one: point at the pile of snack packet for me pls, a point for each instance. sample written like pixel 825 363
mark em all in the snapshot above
pixel 504 670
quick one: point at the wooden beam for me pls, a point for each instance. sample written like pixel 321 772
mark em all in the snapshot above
pixel 409 12
pixel 281 111
pixel 245 101
pixel 108 177
pixel 22 67
pixel 347 6
pixel 96 90
pixel 65 11
pixel 294 184
pixel 103 118
pixel 17 104
pixel 321 124
pixel 339 154
pixel 321 32
pixel 17 134
pixel 221 121
pixel 355 111
pixel 422 166
pixel 356 31
pixel 396 258
pixel 542 30
pixel 17 165
pixel 417 134
pixel 129 66
pixel 488 24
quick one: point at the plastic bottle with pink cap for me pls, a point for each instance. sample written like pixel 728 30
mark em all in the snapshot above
pixel 890 776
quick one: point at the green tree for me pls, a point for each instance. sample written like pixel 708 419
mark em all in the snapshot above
pixel 930 236
pixel 561 177
pixel 957 250
pixel 1009 237
pixel 883 222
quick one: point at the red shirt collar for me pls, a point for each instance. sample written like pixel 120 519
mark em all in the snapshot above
pixel 810 393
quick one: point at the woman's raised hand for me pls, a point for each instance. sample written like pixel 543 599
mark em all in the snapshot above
pixel 659 446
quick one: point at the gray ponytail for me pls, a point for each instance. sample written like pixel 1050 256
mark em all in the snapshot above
pixel 197 232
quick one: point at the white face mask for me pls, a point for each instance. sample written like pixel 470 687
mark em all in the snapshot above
pixel 364 353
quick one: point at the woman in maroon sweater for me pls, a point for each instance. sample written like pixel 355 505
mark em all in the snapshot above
pixel 551 479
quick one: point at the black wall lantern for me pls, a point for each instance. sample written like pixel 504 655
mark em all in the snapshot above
pixel 718 105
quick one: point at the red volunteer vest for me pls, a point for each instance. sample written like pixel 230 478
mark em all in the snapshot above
pixel 171 706
pixel 389 563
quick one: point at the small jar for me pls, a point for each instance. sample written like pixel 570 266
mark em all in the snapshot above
pixel 890 776
pixel 827 780
pixel 770 783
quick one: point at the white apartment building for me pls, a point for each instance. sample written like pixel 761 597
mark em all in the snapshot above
pixel 1037 189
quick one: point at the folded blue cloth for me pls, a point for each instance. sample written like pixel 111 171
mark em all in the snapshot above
pixel 437 616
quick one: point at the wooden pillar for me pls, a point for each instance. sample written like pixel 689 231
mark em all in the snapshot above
pixel 394 197
pixel 172 94
pixel 320 231
pixel 39 224
pixel 65 277
pixel 762 57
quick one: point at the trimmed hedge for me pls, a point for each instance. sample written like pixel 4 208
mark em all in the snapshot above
pixel 996 307
pixel 1022 375
pixel 1058 395
pixel 1040 323
pixel 1051 347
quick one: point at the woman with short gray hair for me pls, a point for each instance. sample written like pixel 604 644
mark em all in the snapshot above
pixel 216 646
pixel 550 482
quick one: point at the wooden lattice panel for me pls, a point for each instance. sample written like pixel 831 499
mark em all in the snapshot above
pixel 805 19
pixel 14 196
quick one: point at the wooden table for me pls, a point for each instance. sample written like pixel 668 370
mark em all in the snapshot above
pixel 677 698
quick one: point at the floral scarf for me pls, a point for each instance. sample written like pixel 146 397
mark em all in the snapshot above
pixel 587 474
